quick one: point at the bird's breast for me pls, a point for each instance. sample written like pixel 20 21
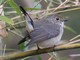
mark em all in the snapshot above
pixel 53 41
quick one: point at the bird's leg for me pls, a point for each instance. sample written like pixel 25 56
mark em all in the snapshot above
pixel 38 48
pixel 54 47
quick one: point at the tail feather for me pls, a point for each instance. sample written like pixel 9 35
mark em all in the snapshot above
pixel 22 9
pixel 26 14
pixel 24 39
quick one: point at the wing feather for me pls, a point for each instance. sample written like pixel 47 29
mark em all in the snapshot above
pixel 43 33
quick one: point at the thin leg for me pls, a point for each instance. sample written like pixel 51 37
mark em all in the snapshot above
pixel 54 47
pixel 38 48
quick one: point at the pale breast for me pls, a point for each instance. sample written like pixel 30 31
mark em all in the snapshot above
pixel 53 41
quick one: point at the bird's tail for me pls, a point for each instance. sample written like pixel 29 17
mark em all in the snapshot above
pixel 26 14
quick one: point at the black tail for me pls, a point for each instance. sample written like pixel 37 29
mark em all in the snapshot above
pixel 22 9
pixel 24 39
pixel 25 13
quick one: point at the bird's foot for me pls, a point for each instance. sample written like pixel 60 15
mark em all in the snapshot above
pixel 38 48
pixel 54 47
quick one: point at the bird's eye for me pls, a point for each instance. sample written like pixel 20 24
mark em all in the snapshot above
pixel 57 18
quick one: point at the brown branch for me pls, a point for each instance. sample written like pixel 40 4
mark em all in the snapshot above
pixel 52 9
pixel 41 51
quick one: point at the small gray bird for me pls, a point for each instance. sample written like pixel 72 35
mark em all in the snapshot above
pixel 46 32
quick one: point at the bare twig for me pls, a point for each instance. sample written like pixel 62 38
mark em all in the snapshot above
pixel 50 58
pixel 41 51
pixel 15 33
pixel 74 55
pixel 64 11
pixel 17 17
pixel 37 3
pixel 66 1
pixel 74 38
pixel 73 42
pixel 4 49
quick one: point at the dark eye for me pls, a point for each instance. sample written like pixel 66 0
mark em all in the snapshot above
pixel 57 18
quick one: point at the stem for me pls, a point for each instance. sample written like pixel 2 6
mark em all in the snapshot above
pixel 41 51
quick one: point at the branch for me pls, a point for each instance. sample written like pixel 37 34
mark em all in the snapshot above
pixel 52 9
pixel 41 51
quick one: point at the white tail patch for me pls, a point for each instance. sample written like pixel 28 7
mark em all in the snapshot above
pixel 29 27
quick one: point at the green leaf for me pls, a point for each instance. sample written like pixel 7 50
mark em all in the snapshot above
pixel 1 1
pixel 7 20
pixel 39 57
pixel 15 6
pixel 70 29
pixel 21 46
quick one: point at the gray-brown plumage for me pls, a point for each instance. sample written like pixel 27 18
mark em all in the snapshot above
pixel 48 31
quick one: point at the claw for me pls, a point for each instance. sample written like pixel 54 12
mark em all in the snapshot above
pixel 38 48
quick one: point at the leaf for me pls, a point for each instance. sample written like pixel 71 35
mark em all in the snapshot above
pixel 21 46
pixel 69 28
pixel 39 57
pixel 22 43
pixel 7 20
pixel 15 6
pixel 1 1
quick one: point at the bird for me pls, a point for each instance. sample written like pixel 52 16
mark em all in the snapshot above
pixel 46 32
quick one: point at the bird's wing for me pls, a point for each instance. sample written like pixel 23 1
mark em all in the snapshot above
pixel 44 33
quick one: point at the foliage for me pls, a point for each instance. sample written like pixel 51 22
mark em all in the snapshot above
pixel 7 20
pixel 15 6
pixel 1 1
